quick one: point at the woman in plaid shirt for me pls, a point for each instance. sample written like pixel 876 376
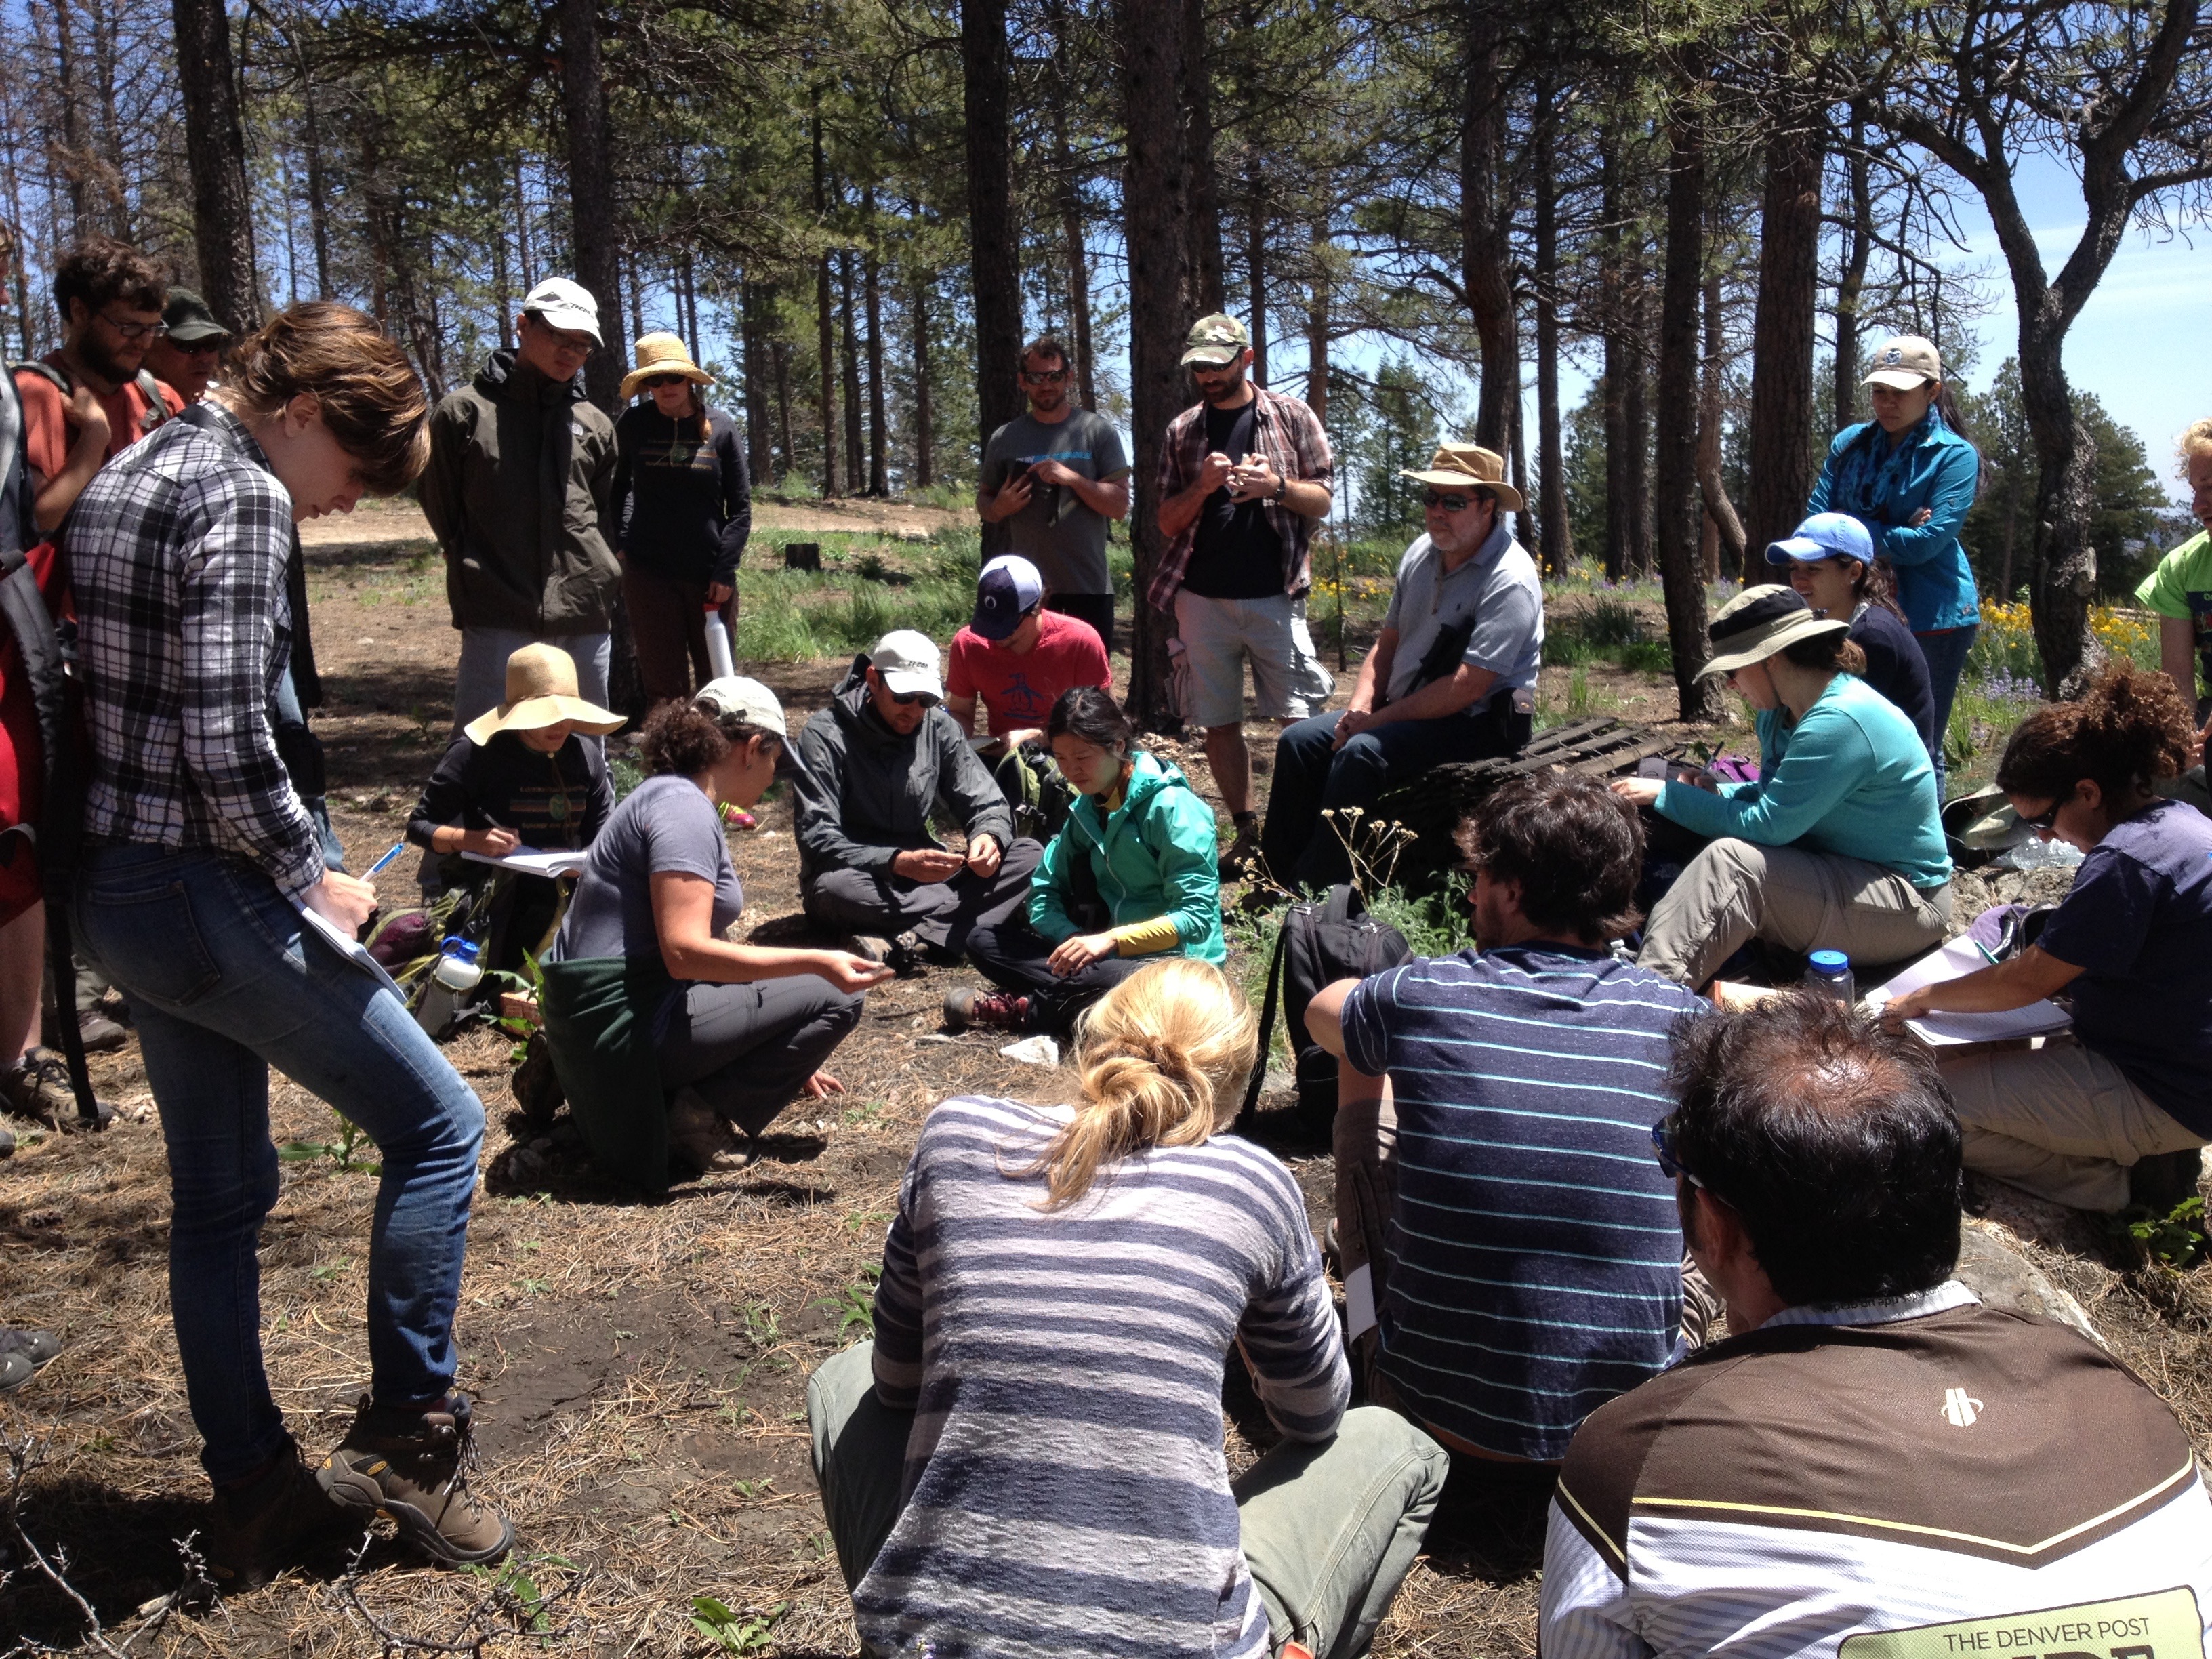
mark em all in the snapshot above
pixel 200 868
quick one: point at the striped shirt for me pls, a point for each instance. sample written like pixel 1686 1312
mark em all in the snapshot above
pixel 1535 1259
pixel 1065 1491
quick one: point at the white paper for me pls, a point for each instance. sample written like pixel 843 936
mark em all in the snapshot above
pixel 1359 1303
pixel 531 862
pixel 1956 960
pixel 349 947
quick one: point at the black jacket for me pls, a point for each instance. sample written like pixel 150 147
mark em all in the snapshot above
pixel 683 507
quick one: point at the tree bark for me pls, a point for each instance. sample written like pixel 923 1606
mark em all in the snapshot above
pixel 1485 217
pixel 871 286
pixel 1255 268
pixel 993 231
pixel 1858 248
pixel 1613 303
pixel 114 182
pixel 856 465
pixel 1782 331
pixel 1724 530
pixel 781 352
pixel 1318 298
pixel 76 151
pixel 825 327
pixel 925 432
pixel 760 394
pixel 596 227
pixel 1635 417
pixel 1162 300
pixel 318 216
pixel 1202 218
pixel 1556 542
pixel 1676 500
pixel 215 149
pixel 1078 259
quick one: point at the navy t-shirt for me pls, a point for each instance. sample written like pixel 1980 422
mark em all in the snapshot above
pixel 2138 924
pixel 1896 667
pixel 1535 1256
pixel 1236 553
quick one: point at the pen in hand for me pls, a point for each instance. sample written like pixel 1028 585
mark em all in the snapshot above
pixel 397 847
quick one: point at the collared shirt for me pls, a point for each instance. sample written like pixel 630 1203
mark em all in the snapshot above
pixel 1885 488
pixel 178 550
pixel 1288 434
pixel 1497 590
pixel 1882 1310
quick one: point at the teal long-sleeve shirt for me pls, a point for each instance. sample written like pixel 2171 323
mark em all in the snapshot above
pixel 1851 778
pixel 1885 489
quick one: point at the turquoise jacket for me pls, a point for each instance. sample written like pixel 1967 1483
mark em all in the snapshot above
pixel 1851 778
pixel 1152 856
pixel 1883 487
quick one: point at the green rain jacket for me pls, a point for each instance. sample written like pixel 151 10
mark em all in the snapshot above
pixel 1154 855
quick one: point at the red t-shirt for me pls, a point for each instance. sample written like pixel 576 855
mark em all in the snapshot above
pixel 47 434
pixel 1020 691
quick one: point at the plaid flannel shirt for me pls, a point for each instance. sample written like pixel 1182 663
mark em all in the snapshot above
pixel 1290 437
pixel 177 551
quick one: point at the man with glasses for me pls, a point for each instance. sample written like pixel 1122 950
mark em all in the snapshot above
pixel 184 355
pixel 1452 676
pixel 1054 476
pixel 1872 1464
pixel 868 770
pixel 1245 474
pixel 1508 1247
pixel 518 493
pixel 92 399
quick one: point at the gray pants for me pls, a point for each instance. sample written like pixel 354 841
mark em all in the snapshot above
pixel 939 914
pixel 480 682
pixel 1330 1531
pixel 1737 890
pixel 750 1049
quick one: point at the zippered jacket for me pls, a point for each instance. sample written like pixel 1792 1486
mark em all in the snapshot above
pixel 1152 856
pixel 1883 488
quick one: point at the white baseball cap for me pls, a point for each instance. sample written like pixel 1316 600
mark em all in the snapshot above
pixel 907 661
pixel 747 700
pixel 1904 362
pixel 559 303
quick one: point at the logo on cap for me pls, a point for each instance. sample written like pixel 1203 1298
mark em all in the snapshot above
pixel 1895 355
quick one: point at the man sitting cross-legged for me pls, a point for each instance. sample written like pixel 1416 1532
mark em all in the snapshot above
pixel 1494 1184
pixel 1875 1466
pixel 868 770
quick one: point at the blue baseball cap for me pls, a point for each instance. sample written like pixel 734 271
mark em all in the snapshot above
pixel 1007 591
pixel 1824 536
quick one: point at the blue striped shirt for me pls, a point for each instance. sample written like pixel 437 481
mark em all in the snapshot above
pixel 1066 1488
pixel 1534 1265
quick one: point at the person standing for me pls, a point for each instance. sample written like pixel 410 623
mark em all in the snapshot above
pixel 2179 592
pixel 184 357
pixel 521 478
pixel 204 894
pixel 1245 474
pixel 1909 475
pixel 683 508
pixel 1054 477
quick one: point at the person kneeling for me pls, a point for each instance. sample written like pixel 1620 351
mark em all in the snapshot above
pixel 1871 1462
pixel 1028 1457
pixel 646 994
pixel 2118 1117
pixel 1837 845
pixel 1132 874
pixel 1448 678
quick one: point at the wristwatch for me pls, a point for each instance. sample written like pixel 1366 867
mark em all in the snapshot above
pixel 1282 488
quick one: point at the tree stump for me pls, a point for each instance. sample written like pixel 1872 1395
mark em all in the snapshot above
pixel 802 556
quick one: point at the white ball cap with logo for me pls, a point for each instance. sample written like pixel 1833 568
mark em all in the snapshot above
pixel 559 303
pixel 907 660
pixel 746 699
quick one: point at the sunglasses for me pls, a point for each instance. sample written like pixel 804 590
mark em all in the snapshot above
pixel 133 331
pixel 907 699
pixel 1662 1144
pixel 2044 822
pixel 655 382
pixel 1452 503
pixel 1043 376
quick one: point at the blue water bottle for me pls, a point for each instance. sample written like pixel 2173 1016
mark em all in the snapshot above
pixel 1830 974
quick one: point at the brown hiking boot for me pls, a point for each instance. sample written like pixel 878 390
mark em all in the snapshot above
pixel 265 1522
pixel 537 1089
pixel 37 1086
pixel 697 1135
pixel 413 1469
pixel 1001 1009
pixel 1244 851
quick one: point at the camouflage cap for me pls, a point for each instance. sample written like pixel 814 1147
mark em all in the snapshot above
pixel 1216 339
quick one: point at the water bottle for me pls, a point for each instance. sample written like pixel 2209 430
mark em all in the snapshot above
pixel 459 972
pixel 718 644
pixel 1830 974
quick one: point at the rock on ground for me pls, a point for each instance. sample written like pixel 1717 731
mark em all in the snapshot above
pixel 1993 1266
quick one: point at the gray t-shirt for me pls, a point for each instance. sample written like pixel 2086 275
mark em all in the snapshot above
pixel 1065 539
pixel 664 824
pixel 1498 587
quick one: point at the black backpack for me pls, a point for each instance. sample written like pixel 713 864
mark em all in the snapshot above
pixel 1319 945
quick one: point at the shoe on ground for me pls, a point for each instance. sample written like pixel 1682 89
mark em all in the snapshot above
pixel 873 946
pixel 266 1522
pixel 2163 1180
pixel 537 1089
pixel 99 1034
pixel 37 1086
pixel 1237 863
pixel 906 955
pixel 698 1134
pixel 14 1371
pixel 999 1010
pixel 39 1347
pixel 412 1467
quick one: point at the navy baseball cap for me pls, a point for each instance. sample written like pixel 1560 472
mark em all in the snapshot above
pixel 1824 536
pixel 1007 591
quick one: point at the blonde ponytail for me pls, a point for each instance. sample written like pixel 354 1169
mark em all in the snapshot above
pixel 1163 1056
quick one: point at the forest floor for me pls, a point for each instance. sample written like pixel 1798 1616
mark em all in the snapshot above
pixel 641 1366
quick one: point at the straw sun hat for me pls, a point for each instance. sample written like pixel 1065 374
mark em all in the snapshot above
pixel 1760 621
pixel 662 354
pixel 541 691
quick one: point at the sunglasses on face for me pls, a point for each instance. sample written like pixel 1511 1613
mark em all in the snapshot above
pixel 1044 376
pixel 907 699
pixel 655 382
pixel 2044 822
pixel 1452 503
pixel 1662 1138
pixel 134 331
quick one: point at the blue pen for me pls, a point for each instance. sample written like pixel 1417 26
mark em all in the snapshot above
pixel 397 847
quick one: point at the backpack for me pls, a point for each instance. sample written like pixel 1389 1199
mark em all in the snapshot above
pixel 1319 945
pixel 156 412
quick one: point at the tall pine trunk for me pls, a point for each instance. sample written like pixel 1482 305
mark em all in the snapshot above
pixel 1486 226
pixel 856 465
pixel 925 419
pixel 1722 544
pixel 1636 422
pixel 1556 545
pixel 1859 249
pixel 1782 331
pixel 992 232
pixel 1675 502
pixel 1318 299
pixel 597 225
pixel 1255 268
pixel 872 288
pixel 760 380
pixel 826 326
pixel 1202 218
pixel 215 149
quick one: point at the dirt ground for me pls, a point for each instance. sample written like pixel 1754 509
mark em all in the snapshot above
pixel 383 521
pixel 641 1367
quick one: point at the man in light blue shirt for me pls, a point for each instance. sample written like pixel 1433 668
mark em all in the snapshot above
pixel 1452 676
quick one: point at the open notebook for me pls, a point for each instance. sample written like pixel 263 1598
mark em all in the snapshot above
pixel 1957 959
pixel 531 862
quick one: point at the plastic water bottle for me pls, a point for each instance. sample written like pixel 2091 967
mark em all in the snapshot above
pixel 1830 974
pixel 718 644
pixel 460 971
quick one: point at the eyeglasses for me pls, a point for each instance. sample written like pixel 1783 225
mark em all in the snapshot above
pixel 1452 503
pixel 2044 822
pixel 1043 376
pixel 133 331
pixel 907 699
pixel 655 382
pixel 1662 1143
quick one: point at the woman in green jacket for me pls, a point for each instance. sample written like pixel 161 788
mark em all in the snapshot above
pixel 1131 875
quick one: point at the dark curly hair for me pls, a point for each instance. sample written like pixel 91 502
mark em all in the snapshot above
pixel 100 271
pixel 1575 847
pixel 683 740
pixel 2131 728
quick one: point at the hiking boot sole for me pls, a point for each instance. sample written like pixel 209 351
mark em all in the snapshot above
pixel 361 1494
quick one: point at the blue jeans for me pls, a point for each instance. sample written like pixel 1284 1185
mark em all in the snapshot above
pixel 1945 653
pixel 222 985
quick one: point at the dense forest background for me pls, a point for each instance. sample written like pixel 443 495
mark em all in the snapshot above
pixel 855 211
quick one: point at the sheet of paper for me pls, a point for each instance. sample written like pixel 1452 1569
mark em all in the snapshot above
pixel 349 947
pixel 531 862
pixel 1957 959
pixel 1359 1302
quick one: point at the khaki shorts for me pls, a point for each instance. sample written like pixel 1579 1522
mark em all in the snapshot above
pixel 1217 636
pixel 2061 1121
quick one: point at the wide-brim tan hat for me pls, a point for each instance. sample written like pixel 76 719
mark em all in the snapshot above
pixel 1464 466
pixel 662 354
pixel 541 691
pixel 1760 621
